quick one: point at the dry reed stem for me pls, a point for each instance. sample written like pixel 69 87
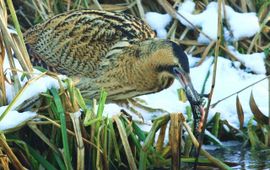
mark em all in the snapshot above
pixel 206 52
pixel 109 7
pixel 190 42
pixel 212 159
pixel 140 8
pixel 251 6
pixel 184 33
pixel 201 136
pixel 125 142
pixel 161 137
pixel 4 161
pixel 16 163
pixel 256 37
pixel 14 71
pixel 98 5
pixel 3 98
pixel 9 42
pixel 80 145
pixel 40 9
pixel 21 46
pixel 172 30
pixel 175 137
pixel 244 5
pixel 198 50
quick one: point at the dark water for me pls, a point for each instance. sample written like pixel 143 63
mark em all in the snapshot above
pixel 245 157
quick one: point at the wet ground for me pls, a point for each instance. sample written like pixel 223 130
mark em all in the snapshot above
pixel 245 157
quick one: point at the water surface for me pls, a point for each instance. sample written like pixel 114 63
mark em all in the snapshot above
pixel 245 157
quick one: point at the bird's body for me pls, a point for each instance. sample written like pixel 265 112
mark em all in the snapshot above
pixel 77 42
pixel 118 52
pixel 114 51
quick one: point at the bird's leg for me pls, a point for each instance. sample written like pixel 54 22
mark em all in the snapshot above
pixel 125 103
pixel 133 105
pixel 139 104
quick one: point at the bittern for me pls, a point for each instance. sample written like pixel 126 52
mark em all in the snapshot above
pixel 114 51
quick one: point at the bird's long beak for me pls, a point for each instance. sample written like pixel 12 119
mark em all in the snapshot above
pixel 193 97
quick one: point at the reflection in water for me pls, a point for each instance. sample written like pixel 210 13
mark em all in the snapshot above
pixel 247 159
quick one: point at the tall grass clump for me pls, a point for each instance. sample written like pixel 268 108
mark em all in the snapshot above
pixel 70 133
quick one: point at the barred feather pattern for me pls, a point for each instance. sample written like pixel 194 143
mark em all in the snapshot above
pixel 76 42
pixel 102 50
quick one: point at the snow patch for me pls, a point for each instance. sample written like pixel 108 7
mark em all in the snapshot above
pixel 240 24
pixel 158 22
pixel 229 80
pixel 14 118
pixel 254 62
pixel 34 88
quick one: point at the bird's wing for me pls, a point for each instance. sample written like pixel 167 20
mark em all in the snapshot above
pixel 75 43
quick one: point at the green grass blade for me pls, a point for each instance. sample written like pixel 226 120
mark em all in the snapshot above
pixel 98 160
pixel 92 121
pixel 216 127
pixel 148 143
pixel 124 138
pixel 105 144
pixel 253 137
pixel 80 99
pixel 41 160
pixel 59 161
pixel 114 141
pixel 61 112
pixel 138 132
pixel 143 160
pixel 131 132
pixel 101 104
pixel 15 19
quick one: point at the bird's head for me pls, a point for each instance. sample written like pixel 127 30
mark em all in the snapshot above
pixel 171 61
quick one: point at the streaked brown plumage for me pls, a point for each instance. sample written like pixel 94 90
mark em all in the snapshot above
pixel 118 52
pixel 96 46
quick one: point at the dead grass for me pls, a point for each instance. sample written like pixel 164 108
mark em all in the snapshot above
pixel 70 134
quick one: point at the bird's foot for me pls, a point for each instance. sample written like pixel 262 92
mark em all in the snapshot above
pixel 139 103
pixel 126 104
pixel 137 107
